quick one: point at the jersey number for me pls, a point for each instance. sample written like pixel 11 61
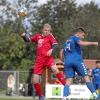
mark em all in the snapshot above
pixel 68 45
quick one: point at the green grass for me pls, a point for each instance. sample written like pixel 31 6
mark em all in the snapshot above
pixel 28 98
pixel 22 98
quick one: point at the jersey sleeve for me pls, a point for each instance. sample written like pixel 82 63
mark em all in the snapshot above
pixel 76 39
pixel 53 40
pixel 34 38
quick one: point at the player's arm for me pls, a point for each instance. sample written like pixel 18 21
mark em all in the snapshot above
pixel 54 44
pixel 86 43
pixel 29 38
pixel 53 49
pixel 26 37
pixel 61 54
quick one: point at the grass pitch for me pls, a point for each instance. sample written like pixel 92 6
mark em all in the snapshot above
pixel 22 98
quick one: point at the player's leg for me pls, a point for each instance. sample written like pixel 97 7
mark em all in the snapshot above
pixel 59 75
pixel 89 84
pixel 98 89
pixel 66 89
pixel 82 70
pixel 38 71
pixel 50 62
pixel 69 72
pixel 91 87
pixel 37 86
pixel 94 84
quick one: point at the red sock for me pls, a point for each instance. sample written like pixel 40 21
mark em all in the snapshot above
pixel 38 89
pixel 61 78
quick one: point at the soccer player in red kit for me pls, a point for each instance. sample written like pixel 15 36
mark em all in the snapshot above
pixel 46 44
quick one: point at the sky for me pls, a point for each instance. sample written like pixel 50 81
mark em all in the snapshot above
pixel 87 1
pixel 77 1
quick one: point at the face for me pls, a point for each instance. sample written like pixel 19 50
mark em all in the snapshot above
pixel 46 31
pixel 81 35
pixel 98 65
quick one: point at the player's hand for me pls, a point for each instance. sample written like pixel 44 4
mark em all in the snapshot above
pixel 95 43
pixel 49 52
pixel 23 34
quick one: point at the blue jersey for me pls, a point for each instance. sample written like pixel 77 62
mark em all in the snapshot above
pixel 96 75
pixel 72 50
pixel 73 58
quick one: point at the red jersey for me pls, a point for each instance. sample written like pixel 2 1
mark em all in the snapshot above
pixel 44 43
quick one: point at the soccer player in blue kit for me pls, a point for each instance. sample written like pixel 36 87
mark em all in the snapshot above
pixel 96 76
pixel 73 60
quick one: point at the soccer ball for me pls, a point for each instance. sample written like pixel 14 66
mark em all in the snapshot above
pixel 23 12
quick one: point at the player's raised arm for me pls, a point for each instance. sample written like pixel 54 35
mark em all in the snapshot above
pixel 52 50
pixel 26 37
pixel 30 38
pixel 86 43
pixel 80 33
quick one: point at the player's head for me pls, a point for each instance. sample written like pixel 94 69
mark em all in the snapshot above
pixel 79 32
pixel 98 64
pixel 47 29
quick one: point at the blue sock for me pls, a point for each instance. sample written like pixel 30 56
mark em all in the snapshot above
pixel 90 87
pixel 66 90
pixel 41 97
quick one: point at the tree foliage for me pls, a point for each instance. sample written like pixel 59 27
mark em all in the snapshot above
pixel 63 15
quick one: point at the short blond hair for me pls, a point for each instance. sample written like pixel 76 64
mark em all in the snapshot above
pixel 47 26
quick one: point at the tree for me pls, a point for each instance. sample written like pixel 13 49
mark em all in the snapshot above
pixel 58 13
pixel 88 16
pixel 63 15
pixel 13 51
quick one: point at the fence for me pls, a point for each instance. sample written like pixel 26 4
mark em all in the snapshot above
pixel 19 83
pixel 16 83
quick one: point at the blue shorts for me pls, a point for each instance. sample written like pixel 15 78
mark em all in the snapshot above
pixel 96 85
pixel 72 67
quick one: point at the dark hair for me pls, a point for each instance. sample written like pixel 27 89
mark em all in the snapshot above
pixel 97 62
pixel 80 29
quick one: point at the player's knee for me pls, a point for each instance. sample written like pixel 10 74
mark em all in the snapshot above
pixel 35 79
pixel 87 79
pixel 69 81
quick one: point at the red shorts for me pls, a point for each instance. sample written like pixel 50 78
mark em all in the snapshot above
pixel 41 63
